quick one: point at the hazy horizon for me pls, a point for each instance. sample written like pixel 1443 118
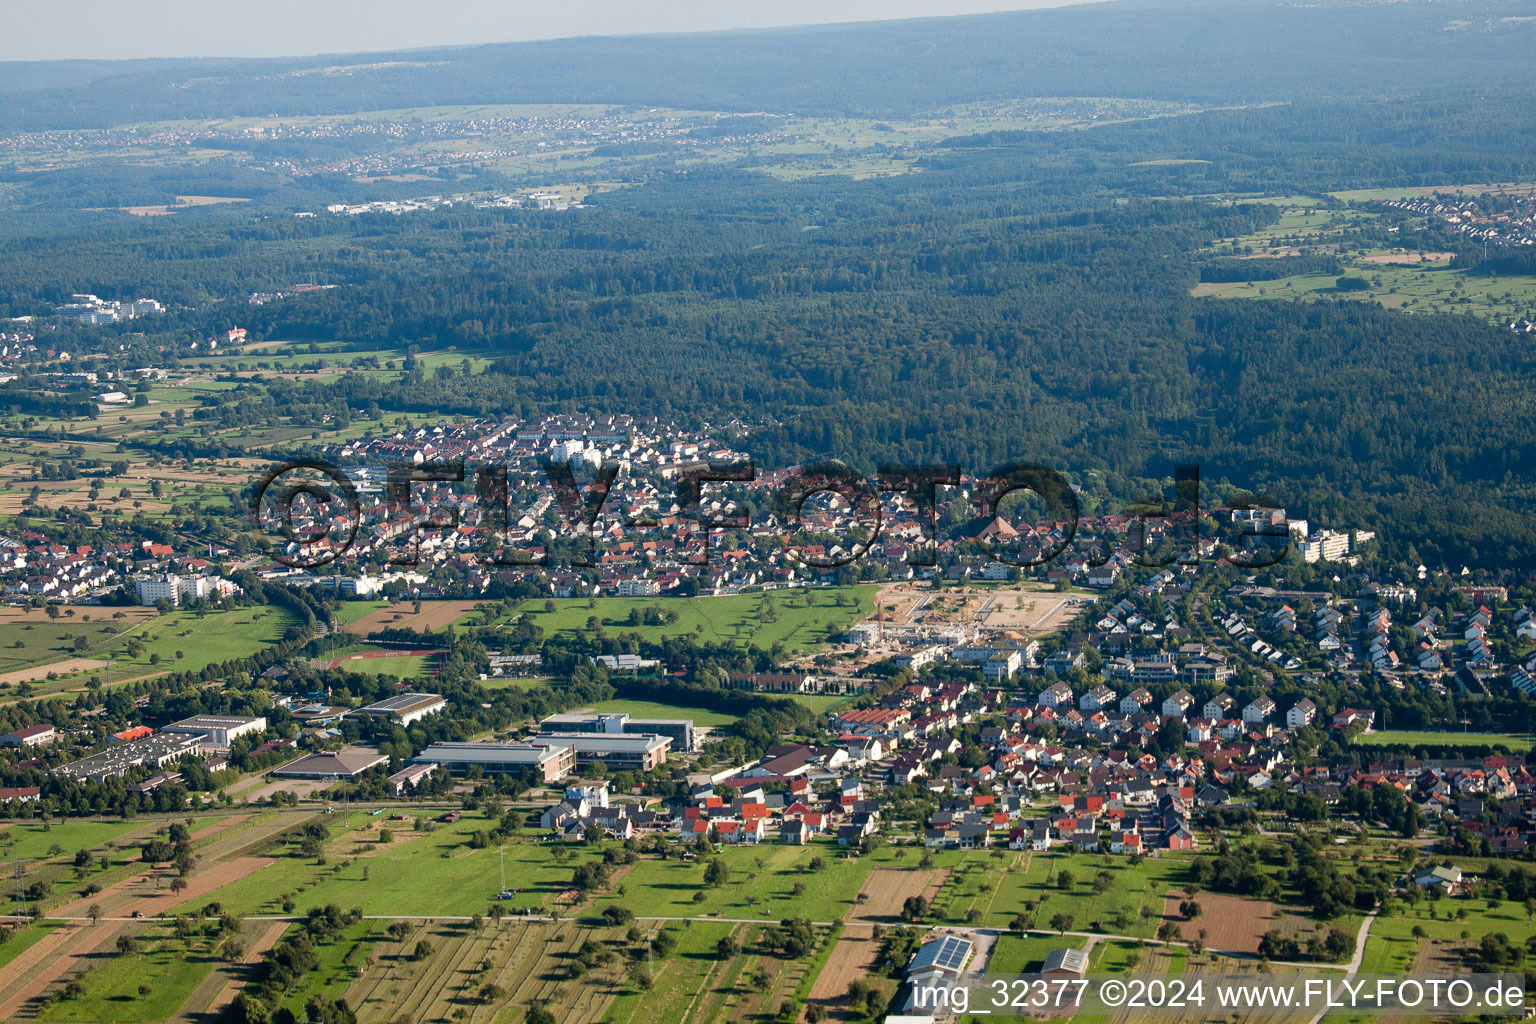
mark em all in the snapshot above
pixel 95 29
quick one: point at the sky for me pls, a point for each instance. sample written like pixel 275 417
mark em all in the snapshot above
pixel 108 29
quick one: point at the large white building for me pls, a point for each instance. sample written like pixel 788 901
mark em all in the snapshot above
pixel 176 589
pixel 219 730
pixel 159 588
pixel 1324 546
pixel 405 708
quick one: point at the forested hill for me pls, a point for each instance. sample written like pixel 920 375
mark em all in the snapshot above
pixel 959 314
pixel 1209 51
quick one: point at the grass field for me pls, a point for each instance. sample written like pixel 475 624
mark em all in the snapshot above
pixel 518 682
pixel 410 666
pixel 39 643
pixel 651 709
pixel 800 619
pixel 1392 947
pixel 990 890
pixel 816 702
pixel 30 840
pixel 1427 288
pixel 179 641
pixel 20 941
pixel 1323 226
pixel 762 885
pixel 115 983
pixel 349 612
pixel 418 873
pixel 1388 737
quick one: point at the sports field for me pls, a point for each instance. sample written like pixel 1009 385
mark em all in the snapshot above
pixel 1388 737
pixel 651 709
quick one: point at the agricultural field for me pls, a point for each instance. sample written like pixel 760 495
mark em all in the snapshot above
pixel 120 887
pixel 1427 287
pixel 27 840
pixel 433 880
pixel 800 619
pixel 1409 280
pixel 85 642
pixel 433 616
pixel 527 962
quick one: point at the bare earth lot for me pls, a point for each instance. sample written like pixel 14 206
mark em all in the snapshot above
pixel 434 615
pixel 38 673
pixel 852 959
pixel 1231 923
pixel 887 889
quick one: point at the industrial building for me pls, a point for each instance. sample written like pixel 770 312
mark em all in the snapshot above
pixel 409 777
pixel 119 760
pixel 405 708
pixel 546 761
pixel 220 730
pixel 620 753
pixel 611 723
pixel 331 766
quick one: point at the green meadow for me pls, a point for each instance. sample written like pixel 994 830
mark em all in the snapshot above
pixel 800 619
pixel 651 709
pixel 1388 737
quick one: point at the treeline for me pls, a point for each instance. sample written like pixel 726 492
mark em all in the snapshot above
pixel 1268 269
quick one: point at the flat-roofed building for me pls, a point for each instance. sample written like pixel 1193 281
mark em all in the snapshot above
pixel 405 708
pixel 220 730
pixel 546 761
pixel 617 723
pixel 641 752
pixel 409 777
pixel 117 761
pixel 319 715
pixel 332 765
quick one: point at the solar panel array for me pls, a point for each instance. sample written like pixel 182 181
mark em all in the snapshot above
pixel 949 953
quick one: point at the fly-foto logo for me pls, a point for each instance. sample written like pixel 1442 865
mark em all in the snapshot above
pixel 313 511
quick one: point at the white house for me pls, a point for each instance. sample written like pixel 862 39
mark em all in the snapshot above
pixel 1301 714
pixel 1258 710
pixel 1054 695
pixel 1177 704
